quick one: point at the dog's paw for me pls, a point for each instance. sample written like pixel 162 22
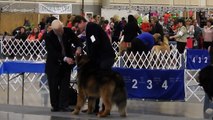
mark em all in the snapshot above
pixel 123 115
pixel 102 115
pixel 89 112
pixel 75 112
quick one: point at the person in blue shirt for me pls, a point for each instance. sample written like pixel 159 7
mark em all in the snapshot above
pixel 142 43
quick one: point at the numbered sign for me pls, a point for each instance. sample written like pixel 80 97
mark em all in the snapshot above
pixel 197 59
pixel 154 84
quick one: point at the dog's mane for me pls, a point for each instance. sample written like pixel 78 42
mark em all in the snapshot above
pixel 85 70
pixel 89 70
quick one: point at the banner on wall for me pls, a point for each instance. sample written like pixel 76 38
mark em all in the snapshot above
pixel 154 84
pixel 55 8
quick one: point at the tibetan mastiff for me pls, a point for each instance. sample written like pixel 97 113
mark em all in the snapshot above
pixel 206 80
pixel 93 84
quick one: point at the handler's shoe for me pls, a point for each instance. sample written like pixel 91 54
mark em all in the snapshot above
pixel 67 109
pixel 55 109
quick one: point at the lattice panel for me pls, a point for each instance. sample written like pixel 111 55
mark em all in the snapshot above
pixel 152 60
pixel 23 49
pixel 192 89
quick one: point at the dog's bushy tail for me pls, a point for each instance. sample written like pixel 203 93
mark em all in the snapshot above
pixel 120 94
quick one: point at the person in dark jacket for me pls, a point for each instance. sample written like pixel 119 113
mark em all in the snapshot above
pixel 117 28
pixel 21 35
pixel 47 30
pixel 131 30
pixel 156 27
pixel 98 46
pixel 60 60
pixel 197 35
pixel 206 81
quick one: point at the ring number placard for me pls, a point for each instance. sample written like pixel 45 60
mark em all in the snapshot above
pixel 153 84
pixel 149 84
pixel 197 59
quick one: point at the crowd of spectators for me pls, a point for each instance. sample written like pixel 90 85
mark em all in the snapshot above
pixel 184 32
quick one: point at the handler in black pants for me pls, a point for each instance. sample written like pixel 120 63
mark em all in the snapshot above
pixel 60 60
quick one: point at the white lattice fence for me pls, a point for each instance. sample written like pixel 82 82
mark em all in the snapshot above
pixel 152 60
pixel 30 81
pixel 35 84
pixel 23 49
pixel 192 89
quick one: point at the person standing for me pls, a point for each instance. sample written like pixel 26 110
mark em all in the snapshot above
pixel 197 34
pixel 117 28
pixel 190 33
pixel 156 27
pixel 106 28
pixel 98 47
pixel 42 24
pixel 131 30
pixel 208 105
pixel 60 61
pixel 207 34
pixel 181 36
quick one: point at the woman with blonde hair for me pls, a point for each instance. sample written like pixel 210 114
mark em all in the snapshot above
pixel 117 29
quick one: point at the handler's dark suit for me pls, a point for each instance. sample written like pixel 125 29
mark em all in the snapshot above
pixel 58 72
pixel 98 46
pixel 99 50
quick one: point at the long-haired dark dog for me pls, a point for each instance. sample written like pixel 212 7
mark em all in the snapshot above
pixel 93 84
pixel 206 80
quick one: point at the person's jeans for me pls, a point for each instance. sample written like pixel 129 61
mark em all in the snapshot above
pixel 207 104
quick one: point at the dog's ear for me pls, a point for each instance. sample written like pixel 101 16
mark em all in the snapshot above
pixel 82 59
pixel 156 36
